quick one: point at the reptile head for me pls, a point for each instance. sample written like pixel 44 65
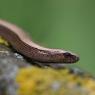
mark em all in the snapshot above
pixel 62 56
pixel 70 57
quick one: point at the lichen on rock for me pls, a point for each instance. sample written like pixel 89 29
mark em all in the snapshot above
pixel 42 81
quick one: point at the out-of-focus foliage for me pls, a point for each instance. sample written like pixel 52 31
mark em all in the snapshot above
pixel 48 81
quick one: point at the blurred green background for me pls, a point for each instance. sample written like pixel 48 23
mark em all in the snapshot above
pixel 68 24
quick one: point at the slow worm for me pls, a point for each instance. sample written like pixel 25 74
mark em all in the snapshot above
pixel 23 44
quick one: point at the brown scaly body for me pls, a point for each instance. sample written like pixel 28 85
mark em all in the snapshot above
pixel 22 43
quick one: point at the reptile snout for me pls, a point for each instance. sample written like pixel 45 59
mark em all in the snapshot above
pixel 70 58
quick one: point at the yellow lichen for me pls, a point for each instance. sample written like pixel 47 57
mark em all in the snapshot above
pixel 3 41
pixel 47 81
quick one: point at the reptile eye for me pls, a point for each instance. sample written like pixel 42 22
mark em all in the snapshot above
pixel 67 54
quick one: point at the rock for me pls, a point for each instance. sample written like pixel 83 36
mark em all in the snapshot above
pixel 18 76
pixel 9 66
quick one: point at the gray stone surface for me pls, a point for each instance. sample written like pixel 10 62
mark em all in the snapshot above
pixel 10 63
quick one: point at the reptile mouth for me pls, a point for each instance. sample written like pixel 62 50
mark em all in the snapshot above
pixel 70 58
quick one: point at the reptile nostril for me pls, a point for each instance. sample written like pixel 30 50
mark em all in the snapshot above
pixel 77 58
